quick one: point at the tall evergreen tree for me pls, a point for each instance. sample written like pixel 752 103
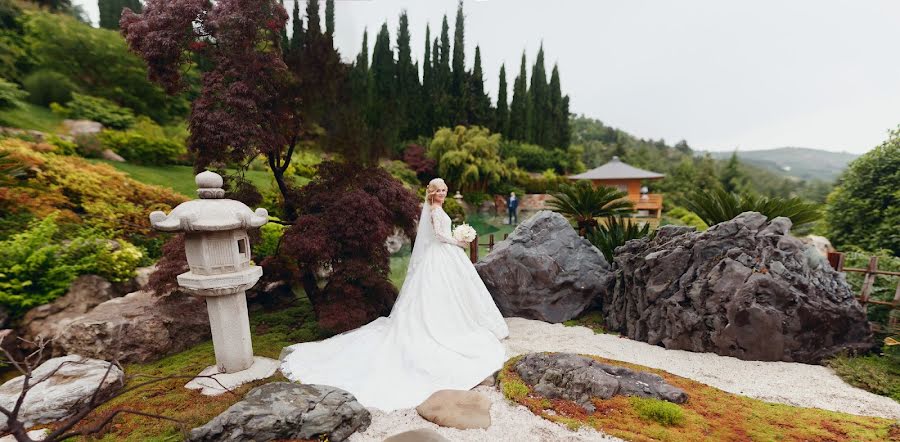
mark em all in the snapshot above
pixel 359 76
pixel 383 119
pixel 285 41
pixel 313 27
pixel 297 28
pixel 558 123
pixel 459 89
pixel 111 11
pixel 441 98
pixel 427 125
pixel 407 81
pixel 731 178
pixel 479 102
pixel 539 102
pixel 329 18
pixel 518 109
pixel 501 118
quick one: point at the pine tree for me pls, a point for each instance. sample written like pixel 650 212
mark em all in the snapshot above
pixel 501 118
pixel 459 89
pixel 329 19
pixel 441 97
pixel 111 11
pixel 731 178
pixel 313 28
pixel 479 102
pixel 538 102
pixel 298 33
pixel 518 109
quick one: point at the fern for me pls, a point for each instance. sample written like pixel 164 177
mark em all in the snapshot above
pixel 717 206
pixel 616 233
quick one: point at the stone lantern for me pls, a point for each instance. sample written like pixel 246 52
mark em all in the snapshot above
pixel 218 253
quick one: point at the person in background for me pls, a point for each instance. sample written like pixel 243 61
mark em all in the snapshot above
pixel 512 205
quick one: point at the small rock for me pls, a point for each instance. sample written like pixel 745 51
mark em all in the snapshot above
pixel 109 155
pixel 82 127
pixel 138 327
pixel 9 342
pixel 457 409
pixel 60 395
pixel 579 379
pixel 282 410
pixel 35 435
pixel 420 435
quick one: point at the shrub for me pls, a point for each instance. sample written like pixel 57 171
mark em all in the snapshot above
pixel 688 218
pixel 63 147
pixel 10 94
pixel 96 109
pixel 88 145
pixel 140 149
pixel 270 236
pixel 515 389
pixel 474 198
pixel 455 211
pixel 402 172
pixel 883 289
pixel 45 87
pixel 583 203
pixel 717 206
pixel 530 157
pixel 36 266
pixel 874 373
pixel 415 156
pixel 660 411
pixel 615 233
pixel 864 210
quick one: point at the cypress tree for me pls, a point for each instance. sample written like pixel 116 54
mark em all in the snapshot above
pixel 441 99
pixel 518 109
pixel 427 126
pixel 359 76
pixel 538 102
pixel 285 41
pixel 297 28
pixel 407 80
pixel 479 102
pixel 501 118
pixel 329 18
pixel 382 117
pixel 459 89
pixel 312 18
pixel 111 11
pixel 555 119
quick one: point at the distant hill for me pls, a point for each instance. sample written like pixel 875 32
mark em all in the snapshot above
pixel 799 162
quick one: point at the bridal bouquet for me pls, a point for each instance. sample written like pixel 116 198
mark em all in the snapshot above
pixel 464 232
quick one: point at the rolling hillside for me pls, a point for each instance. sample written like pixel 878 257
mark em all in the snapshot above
pixel 800 162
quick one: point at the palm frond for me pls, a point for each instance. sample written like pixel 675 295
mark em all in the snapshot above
pixel 616 232
pixel 716 206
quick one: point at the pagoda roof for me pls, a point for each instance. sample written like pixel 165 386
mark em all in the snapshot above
pixel 615 169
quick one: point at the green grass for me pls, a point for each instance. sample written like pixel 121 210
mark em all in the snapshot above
pixel 30 116
pixel 593 320
pixel 665 413
pixel 486 225
pixel 181 178
pixel 879 374
pixel 399 263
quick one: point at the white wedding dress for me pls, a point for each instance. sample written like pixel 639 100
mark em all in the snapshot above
pixel 443 333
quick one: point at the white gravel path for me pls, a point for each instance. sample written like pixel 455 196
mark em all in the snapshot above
pixel 784 382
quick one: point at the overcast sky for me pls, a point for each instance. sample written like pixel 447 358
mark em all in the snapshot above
pixel 720 74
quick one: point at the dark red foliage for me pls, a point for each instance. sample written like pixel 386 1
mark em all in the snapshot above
pixel 173 263
pixel 417 160
pixel 347 214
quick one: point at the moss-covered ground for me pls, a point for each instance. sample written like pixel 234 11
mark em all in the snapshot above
pixel 710 414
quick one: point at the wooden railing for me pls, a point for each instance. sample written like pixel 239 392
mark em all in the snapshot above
pixel 475 245
pixel 836 259
pixel 654 201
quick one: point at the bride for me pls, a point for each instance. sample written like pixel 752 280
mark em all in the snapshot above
pixel 443 333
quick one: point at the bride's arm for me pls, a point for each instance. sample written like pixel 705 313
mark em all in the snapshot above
pixel 437 221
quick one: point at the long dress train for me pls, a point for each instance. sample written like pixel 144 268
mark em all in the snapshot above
pixel 443 333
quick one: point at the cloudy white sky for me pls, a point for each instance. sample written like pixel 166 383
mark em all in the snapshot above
pixel 720 74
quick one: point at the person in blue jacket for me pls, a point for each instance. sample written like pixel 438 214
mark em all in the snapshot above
pixel 512 205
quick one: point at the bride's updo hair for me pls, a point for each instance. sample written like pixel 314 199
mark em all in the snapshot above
pixel 433 187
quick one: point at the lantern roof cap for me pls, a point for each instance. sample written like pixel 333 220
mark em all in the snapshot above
pixel 212 212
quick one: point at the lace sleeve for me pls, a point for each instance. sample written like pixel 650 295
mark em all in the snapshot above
pixel 437 221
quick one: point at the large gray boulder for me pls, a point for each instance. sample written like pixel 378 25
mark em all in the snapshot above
pixel 744 288
pixel 49 320
pixel 282 410
pixel 545 271
pixel 68 384
pixel 579 379
pixel 138 327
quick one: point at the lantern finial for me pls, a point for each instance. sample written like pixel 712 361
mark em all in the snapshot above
pixel 209 185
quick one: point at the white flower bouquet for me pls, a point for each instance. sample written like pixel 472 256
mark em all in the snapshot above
pixel 464 232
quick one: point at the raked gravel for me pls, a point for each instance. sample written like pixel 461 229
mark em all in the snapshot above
pixel 783 382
